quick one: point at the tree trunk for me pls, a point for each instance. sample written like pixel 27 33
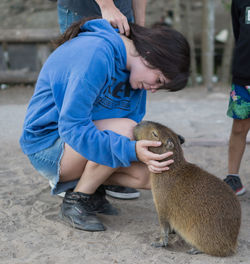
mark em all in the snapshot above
pixel 190 38
pixel 227 57
pixel 208 43
pixel 177 15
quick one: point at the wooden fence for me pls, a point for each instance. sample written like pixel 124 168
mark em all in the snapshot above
pixel 41 39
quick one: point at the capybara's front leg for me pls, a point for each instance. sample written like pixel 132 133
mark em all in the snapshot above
pixel 163 242
pixel 194 251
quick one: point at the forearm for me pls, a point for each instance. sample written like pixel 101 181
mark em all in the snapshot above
pixel 139 9
pixel 105 4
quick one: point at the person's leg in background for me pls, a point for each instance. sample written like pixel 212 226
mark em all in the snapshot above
pixel 237 144
pixel 66 18
pixel 239 110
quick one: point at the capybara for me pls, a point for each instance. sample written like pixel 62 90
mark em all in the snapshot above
pixel 200 207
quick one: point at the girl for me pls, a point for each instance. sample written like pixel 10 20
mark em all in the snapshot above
pixel 91 92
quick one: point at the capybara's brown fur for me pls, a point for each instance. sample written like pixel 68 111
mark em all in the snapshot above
pixel 200 207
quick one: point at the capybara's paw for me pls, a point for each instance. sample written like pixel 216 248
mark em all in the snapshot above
pixel 159 243
pixel 194 251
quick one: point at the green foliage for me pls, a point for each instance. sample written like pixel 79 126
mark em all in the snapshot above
pixel 227 4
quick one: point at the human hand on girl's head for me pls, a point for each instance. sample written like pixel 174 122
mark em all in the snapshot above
pixel 111 13
pixel 152 160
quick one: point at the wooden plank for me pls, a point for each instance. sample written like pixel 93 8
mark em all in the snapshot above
pixel 28 35
pixel 43 52
pixel 18 76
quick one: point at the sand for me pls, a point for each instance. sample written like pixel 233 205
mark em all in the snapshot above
pixel 30 230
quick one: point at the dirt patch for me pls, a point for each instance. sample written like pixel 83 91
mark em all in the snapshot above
pixel 31 231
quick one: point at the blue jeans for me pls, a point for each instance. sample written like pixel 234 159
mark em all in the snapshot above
pixel 66 18
pixel 47 163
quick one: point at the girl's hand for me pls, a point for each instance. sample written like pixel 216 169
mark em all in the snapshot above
pixel 152 160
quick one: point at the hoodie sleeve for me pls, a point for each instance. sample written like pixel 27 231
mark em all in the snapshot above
pixel 77 129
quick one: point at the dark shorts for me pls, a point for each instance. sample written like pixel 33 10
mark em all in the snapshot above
pixel 239 102
pixel 47 163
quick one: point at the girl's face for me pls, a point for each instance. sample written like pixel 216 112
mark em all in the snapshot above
pixel 144 77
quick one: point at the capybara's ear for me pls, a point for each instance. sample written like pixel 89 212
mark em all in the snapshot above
pixel 169 144
pixel 181 138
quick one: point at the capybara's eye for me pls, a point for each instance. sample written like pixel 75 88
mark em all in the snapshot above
pixel 154 134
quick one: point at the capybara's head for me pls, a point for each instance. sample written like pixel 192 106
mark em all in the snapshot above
pixel 148 130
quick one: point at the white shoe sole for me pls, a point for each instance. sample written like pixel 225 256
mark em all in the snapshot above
pixel 125 196
pixel 241 192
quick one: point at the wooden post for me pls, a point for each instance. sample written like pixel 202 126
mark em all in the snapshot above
pixel 227 57
pixel 208 44
pixel 43 51
pixel 5 55
pixel 177 15
pixel 190 37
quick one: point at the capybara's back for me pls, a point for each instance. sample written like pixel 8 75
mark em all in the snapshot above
pixel 203 210
pixel 200 207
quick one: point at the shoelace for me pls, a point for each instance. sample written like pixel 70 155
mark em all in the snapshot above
pixel 90 203
pixel 232 180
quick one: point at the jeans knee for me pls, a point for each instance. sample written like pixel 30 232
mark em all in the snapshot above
pixel 66 18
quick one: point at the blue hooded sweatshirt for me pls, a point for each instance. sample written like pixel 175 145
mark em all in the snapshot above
pixel 83 80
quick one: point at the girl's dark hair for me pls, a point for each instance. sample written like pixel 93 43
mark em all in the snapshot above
pixel 163 48
pixel 72 31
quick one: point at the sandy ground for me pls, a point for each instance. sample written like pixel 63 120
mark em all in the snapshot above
pixel 30 230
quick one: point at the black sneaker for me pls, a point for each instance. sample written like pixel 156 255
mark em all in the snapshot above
pixel 121 192
pixel 102 204
pixel 235 183
pixel 79 210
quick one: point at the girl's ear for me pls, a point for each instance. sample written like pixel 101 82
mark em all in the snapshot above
pixel 169 144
